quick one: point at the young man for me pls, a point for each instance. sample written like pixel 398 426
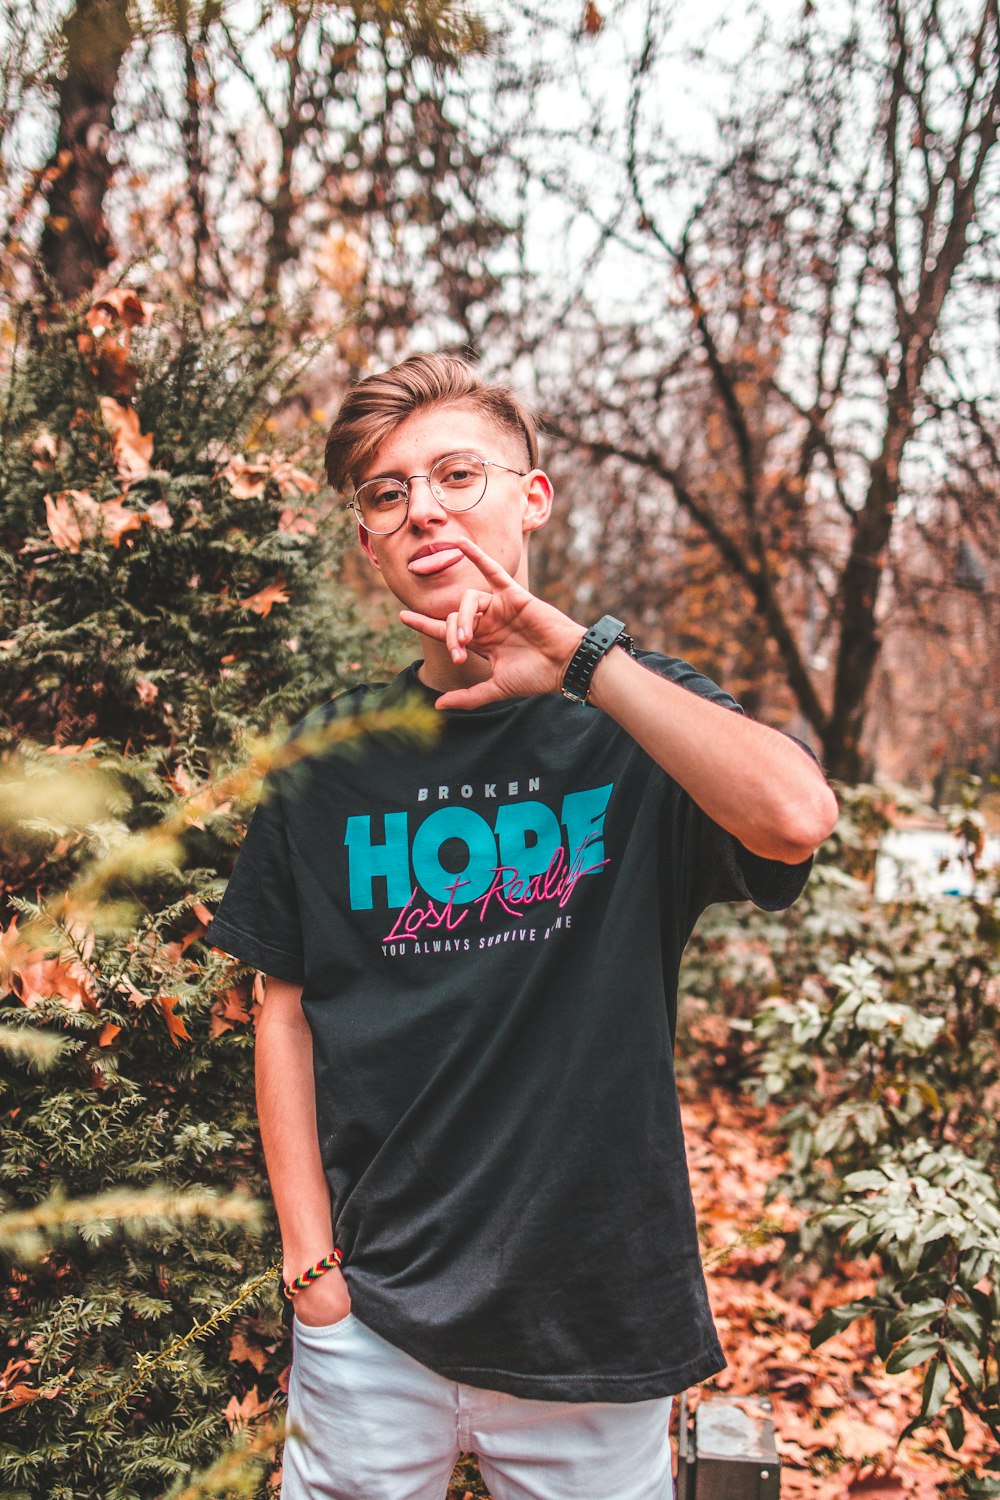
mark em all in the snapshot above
pixel 464 1059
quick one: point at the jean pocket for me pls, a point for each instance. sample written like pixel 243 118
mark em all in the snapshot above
pixel 323 1331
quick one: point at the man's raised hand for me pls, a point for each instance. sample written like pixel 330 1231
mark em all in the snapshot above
pixel 526 642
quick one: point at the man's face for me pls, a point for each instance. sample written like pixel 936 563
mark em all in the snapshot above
pixel 511 508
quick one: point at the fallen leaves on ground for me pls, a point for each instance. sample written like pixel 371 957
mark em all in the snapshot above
pixel 838 1416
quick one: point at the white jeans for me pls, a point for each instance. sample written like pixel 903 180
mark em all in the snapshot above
pixel 375 1424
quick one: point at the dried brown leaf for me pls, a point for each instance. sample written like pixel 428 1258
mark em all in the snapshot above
pixel 166 1005
pixel 133 449
pixel 264 600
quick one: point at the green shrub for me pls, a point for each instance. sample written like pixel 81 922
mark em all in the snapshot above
pixel 883 1057
pixel 159 587
pixel 162 596
pixel 931 1213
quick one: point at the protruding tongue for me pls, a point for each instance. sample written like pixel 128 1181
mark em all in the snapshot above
pixel 436 562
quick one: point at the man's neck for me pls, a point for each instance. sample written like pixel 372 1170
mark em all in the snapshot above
pixel 439 673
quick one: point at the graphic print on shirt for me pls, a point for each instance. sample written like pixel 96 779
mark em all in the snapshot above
pixel 456 872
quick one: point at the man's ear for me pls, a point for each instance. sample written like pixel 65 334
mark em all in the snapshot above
pixel 537 500
pixel 364 538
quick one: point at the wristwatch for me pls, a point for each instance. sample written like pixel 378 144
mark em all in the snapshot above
pixel 596 643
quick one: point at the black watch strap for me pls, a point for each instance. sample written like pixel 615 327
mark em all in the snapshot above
pixel 596 643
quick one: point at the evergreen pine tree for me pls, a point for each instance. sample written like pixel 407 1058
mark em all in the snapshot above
pixel 165 591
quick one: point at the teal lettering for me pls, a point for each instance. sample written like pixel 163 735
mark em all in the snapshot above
pixel 475 833
pixel 369 862
pixel 583 819
pixel 529 835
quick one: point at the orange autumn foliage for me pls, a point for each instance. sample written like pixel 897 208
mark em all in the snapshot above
pixel 111 319
pixel 166 1005
pixel 75 517
pixel 33 976
pixel 264 600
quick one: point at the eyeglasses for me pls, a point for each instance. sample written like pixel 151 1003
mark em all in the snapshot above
pixel 457 482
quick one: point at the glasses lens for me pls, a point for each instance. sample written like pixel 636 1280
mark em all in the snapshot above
pixel 380 505
pixel 458 481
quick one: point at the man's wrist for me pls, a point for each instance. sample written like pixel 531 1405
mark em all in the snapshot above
pixel 298 1284
pixel 611 677
pixel 595 644
pixel 579 631
pixel 299 1257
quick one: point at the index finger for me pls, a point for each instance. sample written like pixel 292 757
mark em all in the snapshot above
pixel 490 569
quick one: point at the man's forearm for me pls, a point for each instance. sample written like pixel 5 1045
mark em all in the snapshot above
pixel 756 783
pixel 286 1109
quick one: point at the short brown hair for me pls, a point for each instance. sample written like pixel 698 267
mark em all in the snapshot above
pixel 376 405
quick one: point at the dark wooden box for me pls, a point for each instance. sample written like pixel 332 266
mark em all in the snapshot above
pixel 727 1452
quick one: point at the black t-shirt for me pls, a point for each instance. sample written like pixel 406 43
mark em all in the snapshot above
pixel 488 933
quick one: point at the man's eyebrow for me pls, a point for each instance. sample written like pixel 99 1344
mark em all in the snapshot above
pixel 398 473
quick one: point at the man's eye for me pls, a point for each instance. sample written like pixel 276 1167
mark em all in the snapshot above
pixel 458 472
pixel 390 494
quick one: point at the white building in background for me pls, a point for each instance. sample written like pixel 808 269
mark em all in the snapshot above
pixel 920 859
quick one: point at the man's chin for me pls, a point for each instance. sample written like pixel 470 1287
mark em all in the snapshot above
pixel 441 593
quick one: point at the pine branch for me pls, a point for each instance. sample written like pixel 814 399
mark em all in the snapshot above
pixel 757 1233
pixel 230 1473
pixel 160 846
pixel 40 1048
pixel 23 1232
pixel 147 1363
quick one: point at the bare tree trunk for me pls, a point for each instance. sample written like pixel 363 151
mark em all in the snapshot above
pixel 860 584
pixel 864 571
pixel 76 242
pixel 283 205
pixel 191 139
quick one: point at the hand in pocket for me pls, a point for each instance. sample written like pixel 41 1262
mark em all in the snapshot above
pixel 324 1302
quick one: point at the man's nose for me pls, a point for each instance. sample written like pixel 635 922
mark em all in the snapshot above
pixel 424 503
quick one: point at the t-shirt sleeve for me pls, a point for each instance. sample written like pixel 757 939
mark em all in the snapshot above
pixel 725 870
pixel 258 920
pixel 718 866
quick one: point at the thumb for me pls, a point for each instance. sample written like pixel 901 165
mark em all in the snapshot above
pixel 471 697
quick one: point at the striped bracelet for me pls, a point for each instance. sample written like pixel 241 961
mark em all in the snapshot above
pixel 293 1288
